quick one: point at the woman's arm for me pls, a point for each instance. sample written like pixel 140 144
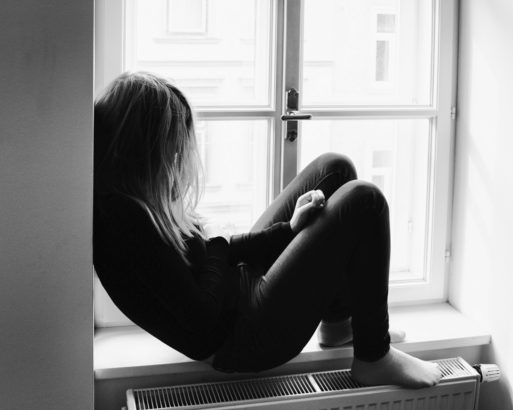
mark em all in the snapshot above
pixel 262 247
pixel 265 246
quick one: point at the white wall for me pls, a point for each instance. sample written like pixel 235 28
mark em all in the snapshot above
pixel 46 321
pixel 481 283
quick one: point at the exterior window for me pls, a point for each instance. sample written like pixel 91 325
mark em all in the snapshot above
pixel 382 60
pixel 385 34
pixel 386 23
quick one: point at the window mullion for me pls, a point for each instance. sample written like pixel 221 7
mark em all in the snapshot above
pixel 292 79
pixel 276 149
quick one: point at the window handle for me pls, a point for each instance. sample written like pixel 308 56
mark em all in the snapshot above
pixel 295 116
pixel 292 113
pixel 292 116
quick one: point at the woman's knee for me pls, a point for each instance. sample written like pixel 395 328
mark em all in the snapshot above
pixel 363 195
pixel 332 162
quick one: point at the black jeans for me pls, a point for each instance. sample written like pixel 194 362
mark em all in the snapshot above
pixel 336 267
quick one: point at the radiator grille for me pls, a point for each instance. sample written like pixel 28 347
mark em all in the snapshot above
pixel 296 386
pixel 202 394
pixel 334 381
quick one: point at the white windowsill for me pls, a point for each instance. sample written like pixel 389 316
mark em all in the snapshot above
pixel 129 351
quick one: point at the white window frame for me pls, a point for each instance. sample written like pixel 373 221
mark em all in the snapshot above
pixel 283 161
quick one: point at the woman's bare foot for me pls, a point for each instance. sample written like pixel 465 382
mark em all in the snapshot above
pixel 397 368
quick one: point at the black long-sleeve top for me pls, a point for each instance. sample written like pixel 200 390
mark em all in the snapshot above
pixel 190 308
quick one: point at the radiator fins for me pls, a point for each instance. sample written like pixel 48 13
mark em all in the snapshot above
pixel 279 387
pixel 223 392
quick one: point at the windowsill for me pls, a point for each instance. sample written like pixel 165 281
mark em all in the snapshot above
pixel 121 352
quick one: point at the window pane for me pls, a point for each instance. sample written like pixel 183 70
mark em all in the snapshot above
pixel 187 16
pixel 217 51
pixel 236 167
pixel 359 52
pixel 394 155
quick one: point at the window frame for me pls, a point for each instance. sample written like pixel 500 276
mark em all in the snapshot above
pixel 111 25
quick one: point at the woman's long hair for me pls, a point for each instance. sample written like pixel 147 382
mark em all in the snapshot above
pixel 145 148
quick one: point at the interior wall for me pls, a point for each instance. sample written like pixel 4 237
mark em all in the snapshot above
pixel 481 281
pixel 46 319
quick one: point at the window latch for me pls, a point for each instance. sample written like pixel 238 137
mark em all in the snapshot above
pixel 453 112
pixel 292 116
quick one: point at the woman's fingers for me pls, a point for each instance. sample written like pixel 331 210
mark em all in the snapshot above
pixel 318 198
pixel 305 209
pixel 304 199
pixel 305 205
pixel 315 196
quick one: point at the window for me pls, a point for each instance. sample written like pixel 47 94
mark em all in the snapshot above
pixel 235 156
pixel 394 155
pixel 377 77
pixel 386 23
pixel 382 60
pixel 385 31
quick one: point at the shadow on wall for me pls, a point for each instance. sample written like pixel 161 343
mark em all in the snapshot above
pixel 495 395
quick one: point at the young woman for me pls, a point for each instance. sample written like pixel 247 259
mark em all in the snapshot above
pixel 248 302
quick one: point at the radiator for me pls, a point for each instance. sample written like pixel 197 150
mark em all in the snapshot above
pixel 329 390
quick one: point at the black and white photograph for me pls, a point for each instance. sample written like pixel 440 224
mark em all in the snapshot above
pixel 256 204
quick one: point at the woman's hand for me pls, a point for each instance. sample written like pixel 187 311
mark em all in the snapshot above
pixel 306 205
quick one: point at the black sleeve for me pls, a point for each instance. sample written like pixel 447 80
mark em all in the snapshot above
pixel 261 247
pixel 191 296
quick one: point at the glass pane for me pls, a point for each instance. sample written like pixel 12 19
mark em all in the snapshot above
pixel 187 16
pixel 359 52
pixel 236 167
pixel 394 155
pixel 218 51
